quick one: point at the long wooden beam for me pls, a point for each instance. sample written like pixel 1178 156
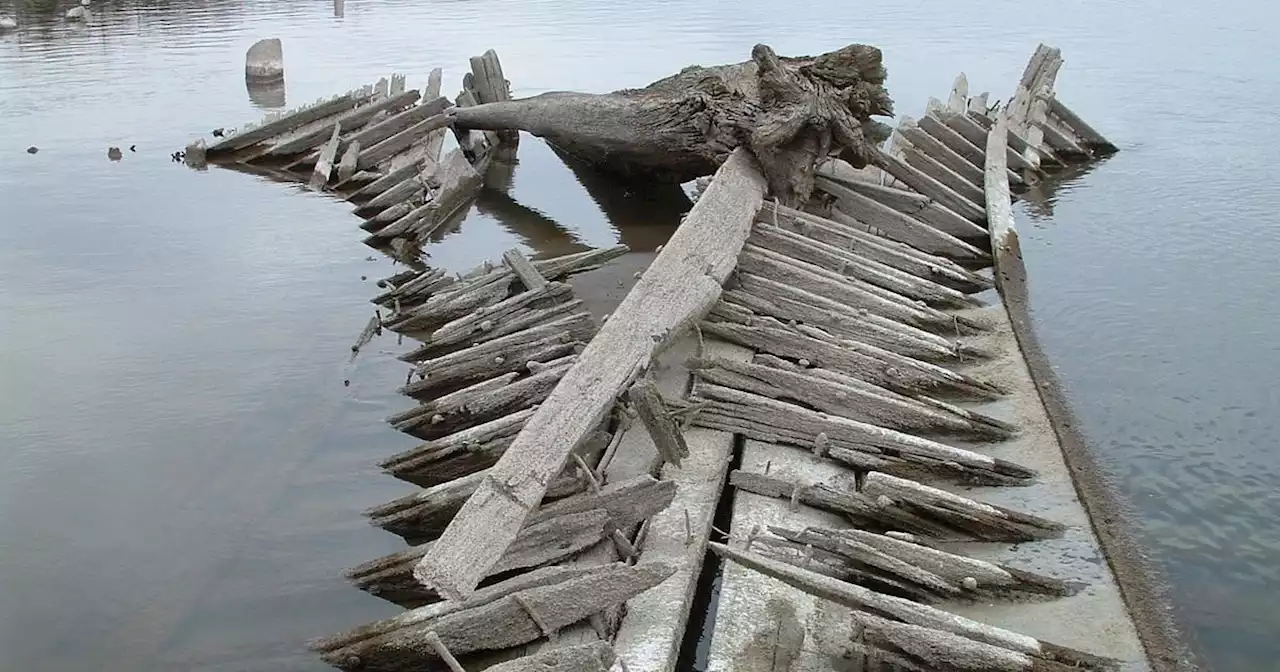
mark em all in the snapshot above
pixel 679 288
pixel 1004 237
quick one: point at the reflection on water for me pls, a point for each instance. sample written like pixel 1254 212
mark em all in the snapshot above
pixel 184 468
pixel 268 96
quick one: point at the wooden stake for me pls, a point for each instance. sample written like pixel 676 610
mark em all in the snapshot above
pixel 523 269
pixel 667 437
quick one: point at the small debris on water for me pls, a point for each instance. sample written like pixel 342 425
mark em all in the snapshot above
pixel 133 148
pixel 176 156
pixel 363 278
pixel 346 383
pixel 219 132
pixel 114 153
pixel 75 14
pixel 32 149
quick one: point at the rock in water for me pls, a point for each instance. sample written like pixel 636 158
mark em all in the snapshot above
pixel 264 62
pixel 114 153
pixel 85 3
pixel 75 14
pixel 791 113
pixel 32 149
pixel 8 23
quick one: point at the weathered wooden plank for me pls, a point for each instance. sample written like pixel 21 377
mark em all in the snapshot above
pixel 898 226
pixel 396 124
pixel 517 618
pixel 591 657
pixel 287 123
pixel 853 265
pixel 398 143
pixel 786 303
pixel 540 543
pixel 347 166
pixel 481 403
pixel 680 286
pixel 758 262
pixel 907 202
pixel 954 141
pixel 929 186
pixel 942 153
pixel 350 120
pixel 491 87
pixel 845 397
pixel 930 166
pixel 657 420
pixel 926 498
pixel 865 601
pixel 458 182
pixel 1060 138
pixel 1081 128
pixel 858 444
pixel 890 252
pixel 959 94
pixel 650 635
pixel 388 181
pixel 324 166
pixel 977 134
pixel 1005 249
pixel 523 269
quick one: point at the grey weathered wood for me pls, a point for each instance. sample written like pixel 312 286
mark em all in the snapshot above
pixel 388 181
pixel 1005 249
pixel 757 261
pixel 374 326
pixel 1081 128
pixel 287 123
pixel 350 157
pixel 899 226
pixel 967 573
pixel 863 511
pixel 540 543
pixel 680 286
pixel 860 360
pixel 864 601
pixel 959 94
pixel 963 185
pixel 878 248
pixel 880 563
pixel 413 186
pixel 662 428
pixel 847 398
pixel 432 508
pixel 499 319
pixel 394 125
pixel 491 87
pixel 907 202
pixel 398 143
pixel 954 141
pixel 328 154
pixel 453 412
pixel 456 455
pixel 924 497
pixel 853 265
pixel 977 134
pixel 514 619
pixel 942 152
pixel 928 186
pixel 858 444
pixel 1059 137
pixel 523 269
pixel 457 180
pixel 306 140
pixel 591 657
pixel 513 352
pixel 787 303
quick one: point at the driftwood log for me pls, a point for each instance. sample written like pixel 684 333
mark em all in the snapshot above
pixel 791 113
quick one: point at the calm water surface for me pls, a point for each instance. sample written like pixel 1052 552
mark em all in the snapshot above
pixel 182 467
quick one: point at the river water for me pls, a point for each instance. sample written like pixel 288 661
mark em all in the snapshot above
pixel 187 443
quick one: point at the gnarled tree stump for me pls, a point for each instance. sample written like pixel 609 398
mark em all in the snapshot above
pixel 791 113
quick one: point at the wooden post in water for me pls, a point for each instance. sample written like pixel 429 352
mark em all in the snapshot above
pixel 680 287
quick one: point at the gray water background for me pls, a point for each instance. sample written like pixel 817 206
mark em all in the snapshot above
pixel 182 468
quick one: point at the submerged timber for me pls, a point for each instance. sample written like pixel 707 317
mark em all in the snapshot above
pixel 817 354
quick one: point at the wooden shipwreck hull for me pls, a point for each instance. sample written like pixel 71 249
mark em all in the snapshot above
pixel 837 377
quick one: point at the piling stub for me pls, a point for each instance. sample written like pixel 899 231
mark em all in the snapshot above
pixel 264 62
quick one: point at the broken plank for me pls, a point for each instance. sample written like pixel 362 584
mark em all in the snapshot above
pixel 899 226
pixel 928 186
pixel 324 166
pixel 1080 127
pixel 907 202
pixel 350 120
pixel 1006 251
pixel 680 286
pixel 287 123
